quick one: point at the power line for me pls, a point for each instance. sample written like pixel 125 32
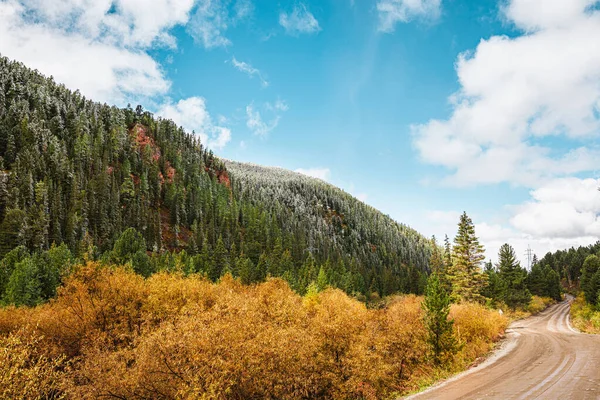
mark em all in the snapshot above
pixel 529 254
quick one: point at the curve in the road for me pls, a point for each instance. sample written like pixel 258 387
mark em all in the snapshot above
pixel 542 358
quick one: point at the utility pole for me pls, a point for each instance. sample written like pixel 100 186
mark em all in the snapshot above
pixel 528 254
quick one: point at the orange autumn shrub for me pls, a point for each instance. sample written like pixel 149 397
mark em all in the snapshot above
pixel 25 373
pixel 176 337
pixel 476 328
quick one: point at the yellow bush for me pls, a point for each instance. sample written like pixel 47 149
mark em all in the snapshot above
pixel 539 304
pixel 25 373
pixel 171 336
pixel 584 317
pixel 477 328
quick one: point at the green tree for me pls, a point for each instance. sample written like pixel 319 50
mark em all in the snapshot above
pixel 131 248
pixel 514 289
pixel 8 263
pixel 439 326
pixel 53 265
pixel 494 288
pixel 588 284
pixel 467 254
pixel 322 280
pixel 12 230
pixel 24 287
pixel 245 268
pixel 536 280
pixel 220 260
pixel 552 284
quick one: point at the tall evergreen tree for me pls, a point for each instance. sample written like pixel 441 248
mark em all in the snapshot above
pixel 494 287
pixel 589 283
pixel 465 273
pixel 514 289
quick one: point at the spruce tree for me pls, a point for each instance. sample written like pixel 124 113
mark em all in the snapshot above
pixel 589 285
pixel 552 284
pixel 24 287
pixel 536 280
pixel 494 288
pixel 512 276
pixel 467 254
pixel 439 326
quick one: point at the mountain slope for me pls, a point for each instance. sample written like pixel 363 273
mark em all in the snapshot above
pixel 335 223
pixel 78 172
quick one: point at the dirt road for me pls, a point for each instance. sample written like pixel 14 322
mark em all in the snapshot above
pixel 543 358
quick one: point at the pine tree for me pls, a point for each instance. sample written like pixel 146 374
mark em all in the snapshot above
pixel 494 288
pixel 322 280
pixel 589 285
pixel 439 326
pixel 552 284
pixel 467 254
pixel 131 248
pixel 436 261
pixel 245 269
pixel 536 280
pixel 512 276
pixel 24 287
pixel 447 253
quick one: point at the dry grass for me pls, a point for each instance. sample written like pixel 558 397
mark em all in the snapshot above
pixel 584 317
pixel 175 337
pixel 536 305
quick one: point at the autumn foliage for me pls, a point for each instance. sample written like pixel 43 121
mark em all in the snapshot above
pixel 112 333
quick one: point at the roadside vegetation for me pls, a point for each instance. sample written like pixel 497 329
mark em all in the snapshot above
pixel 109 331
pixel 134 263
pixel 112 333
pixel 585 310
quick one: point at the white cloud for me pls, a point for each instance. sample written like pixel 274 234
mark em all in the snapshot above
pixel 492 236
pixel 212 18
pixel 394 11
pixel 300 20
pixel 516 91
pixel 125 22
pixel 528 14
pixel 563 208
pixel 563 212
pixel 191 113
pixel 73 49
pixel 255 122
pixel 249 70
pixel 319 173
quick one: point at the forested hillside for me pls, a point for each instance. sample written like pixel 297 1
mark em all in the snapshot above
pixel 80 173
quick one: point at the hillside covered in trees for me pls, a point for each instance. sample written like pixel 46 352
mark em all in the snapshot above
pixel 83 180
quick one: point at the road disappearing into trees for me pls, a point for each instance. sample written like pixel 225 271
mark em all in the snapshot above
pixel 543 357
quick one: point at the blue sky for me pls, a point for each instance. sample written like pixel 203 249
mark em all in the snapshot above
pixel 421 108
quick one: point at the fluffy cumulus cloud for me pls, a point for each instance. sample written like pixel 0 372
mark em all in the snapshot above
pixel 249 70
pixel 73 40
pixel 320 173
pixel 516 92
pixel 563 208
pixel 299 21
pixel 393 11
pixel 192 115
